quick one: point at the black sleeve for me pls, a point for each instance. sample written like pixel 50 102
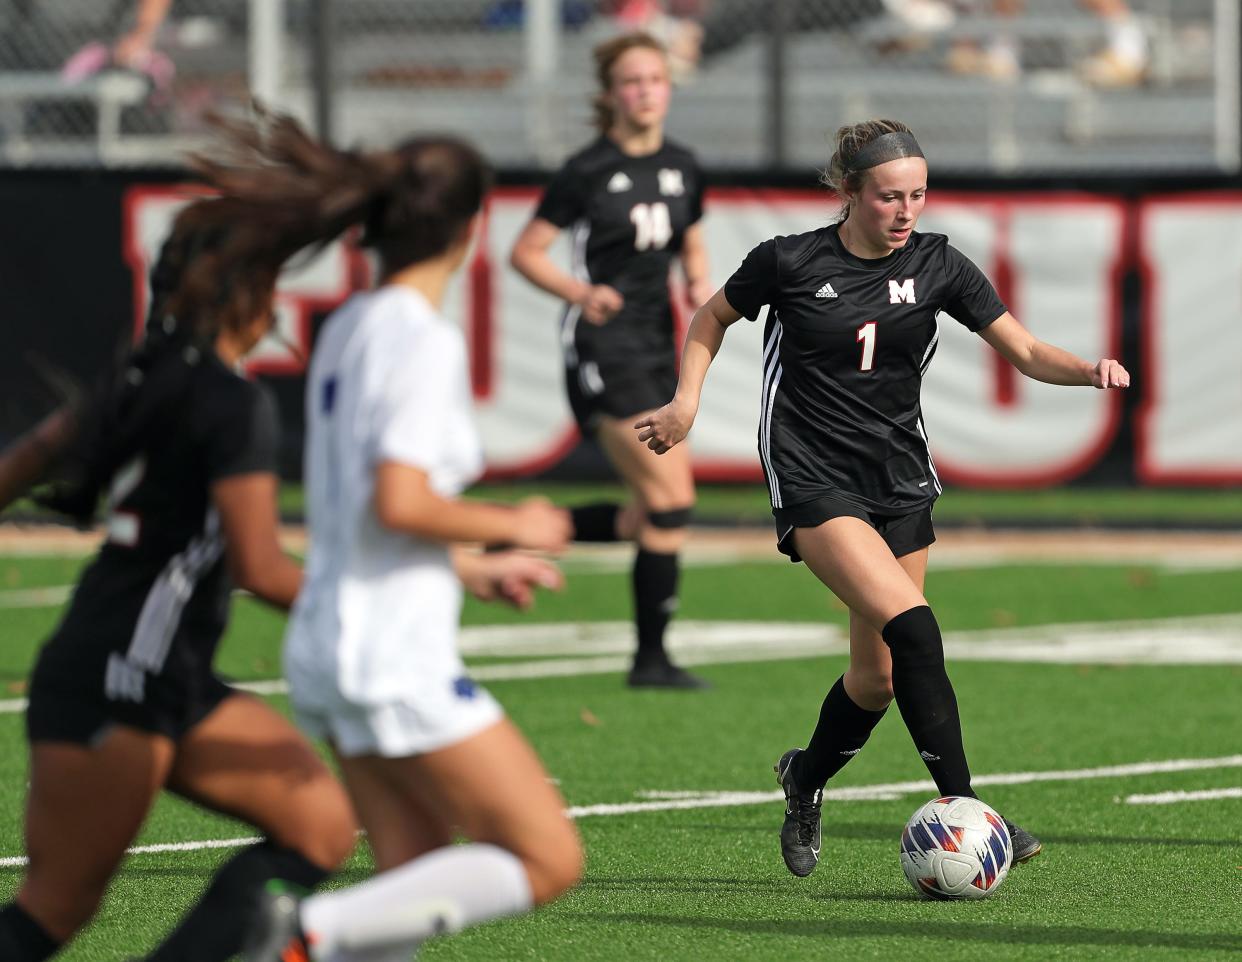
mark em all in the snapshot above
pixel 970 296
pixel 754 283
pixel 242 439
pixel 563 202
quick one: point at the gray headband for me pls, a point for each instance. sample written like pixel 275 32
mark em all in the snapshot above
pixel 883 149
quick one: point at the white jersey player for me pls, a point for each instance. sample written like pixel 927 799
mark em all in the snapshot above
pixel 372 654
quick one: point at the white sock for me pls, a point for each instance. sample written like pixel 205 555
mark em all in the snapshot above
pixel 443 891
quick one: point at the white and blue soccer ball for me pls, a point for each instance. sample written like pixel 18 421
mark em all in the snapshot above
pixel 956 848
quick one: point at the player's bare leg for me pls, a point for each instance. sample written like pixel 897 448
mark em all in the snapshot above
pixel 494 789
pixel 662 488
pixel 885 595
pixel 247 760
pixel 74 849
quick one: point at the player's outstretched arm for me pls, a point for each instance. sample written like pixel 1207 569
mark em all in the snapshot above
pixel 405 501
pixel 27 460
pixel 1048 363
pixel 509 577
pixel 670 424
pixel 529 257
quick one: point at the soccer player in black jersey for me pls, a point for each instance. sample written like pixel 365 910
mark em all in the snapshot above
pixel 632 200
pixel 851 327
pixel 123 699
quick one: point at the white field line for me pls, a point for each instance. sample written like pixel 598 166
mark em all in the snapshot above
pixel 674 801
pixel 1173 553
pixel 894 790
pixel 1172 798
pixel 199 846
pixel 605 647
pixel 35 597
pixel 1201 639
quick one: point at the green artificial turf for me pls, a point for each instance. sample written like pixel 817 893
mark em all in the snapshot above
pixel 1117 881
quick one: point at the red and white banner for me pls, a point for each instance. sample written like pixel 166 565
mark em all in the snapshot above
pixel 1189 430
pixel 1057 260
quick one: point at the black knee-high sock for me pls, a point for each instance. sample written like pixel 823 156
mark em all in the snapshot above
pixel 22 939
pixel 655 600
pixel 595 522
pixel 840 734
pixel 215 929
pixel 925 698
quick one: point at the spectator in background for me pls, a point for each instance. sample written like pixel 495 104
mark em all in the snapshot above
pixel 998 57
pixel 675 23
pixel 134 51
pixel 1121 62
pixel 511 14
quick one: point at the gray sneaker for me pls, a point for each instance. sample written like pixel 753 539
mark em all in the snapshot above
pixel 1025 845
pixel 276 931
pixel 800 836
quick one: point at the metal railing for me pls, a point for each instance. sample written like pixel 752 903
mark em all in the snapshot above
pixel 991 86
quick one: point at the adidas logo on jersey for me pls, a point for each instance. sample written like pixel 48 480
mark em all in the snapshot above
pixel 620 183
pixel 826 291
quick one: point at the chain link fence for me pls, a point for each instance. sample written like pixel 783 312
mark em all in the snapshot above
pixel 990 86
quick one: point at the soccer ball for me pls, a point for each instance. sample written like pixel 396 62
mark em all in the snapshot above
pixel 956 848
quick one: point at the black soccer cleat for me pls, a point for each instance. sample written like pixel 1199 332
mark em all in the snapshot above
pixel 1025 845
pixel 800 835
pixel 276 930
pixel 664 675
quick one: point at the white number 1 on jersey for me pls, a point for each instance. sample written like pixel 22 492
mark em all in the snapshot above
pixel 866 334
pixel 653 226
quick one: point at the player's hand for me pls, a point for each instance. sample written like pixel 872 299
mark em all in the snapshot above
pixel 600 303
pixel 511 578
pixel 668 426
pixel 541 526
pixel 1109 373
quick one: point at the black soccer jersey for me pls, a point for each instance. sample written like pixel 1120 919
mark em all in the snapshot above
pixel 154 602
pixel 628 216
pixel 846 343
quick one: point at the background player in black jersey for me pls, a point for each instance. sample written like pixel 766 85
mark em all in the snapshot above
pixel 123 701
pixel 851 328
pixel 633 200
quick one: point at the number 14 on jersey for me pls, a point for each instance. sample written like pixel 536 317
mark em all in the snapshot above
pixel 653 227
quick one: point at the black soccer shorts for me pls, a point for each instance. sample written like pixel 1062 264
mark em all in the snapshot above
pixel 903 533
pixel 616 392
pixel 75 710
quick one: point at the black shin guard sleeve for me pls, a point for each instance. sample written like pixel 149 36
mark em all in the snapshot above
pixel 595 522
pixel 925 698
pixel 215 929
pixel 840 734
pixel 22 939
pixel 655 599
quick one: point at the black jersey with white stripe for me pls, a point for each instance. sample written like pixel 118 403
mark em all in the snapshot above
pixel 155 600
pixel 846 343
pixel 628 217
